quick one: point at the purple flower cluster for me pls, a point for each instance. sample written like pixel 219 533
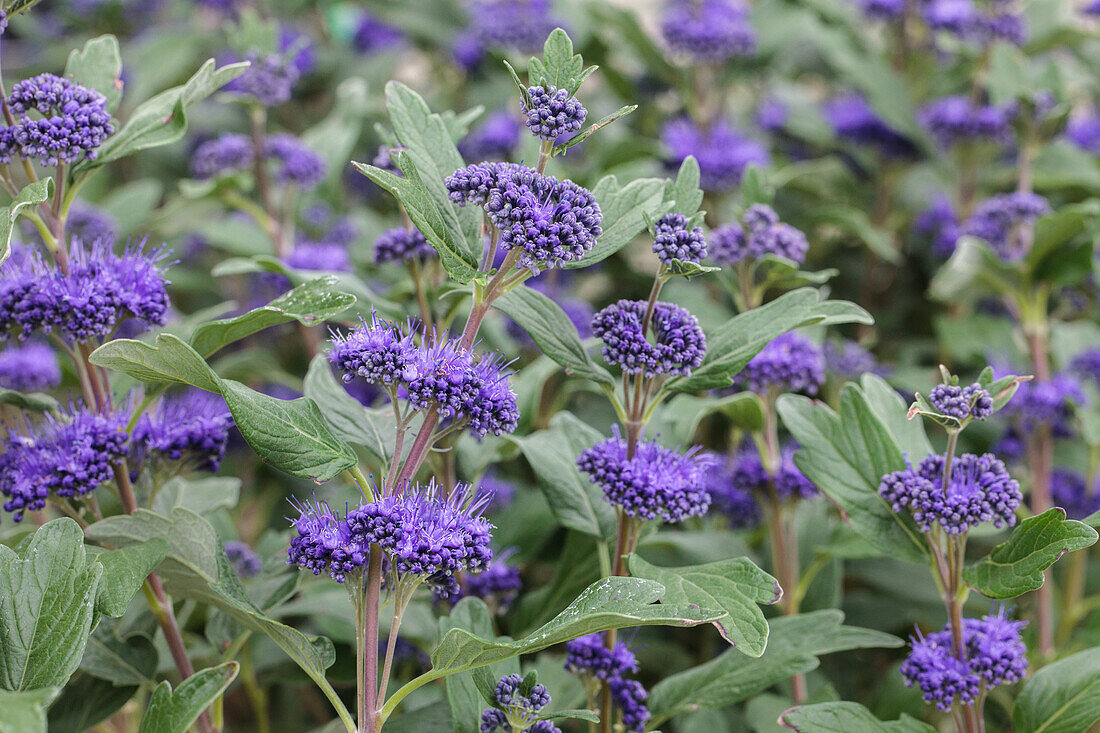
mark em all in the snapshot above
pixel 1084 132
pixel 731 499
pixel 882 9
pixel 514 704
pixel 587 655
pixel 656 483
pixel 722 151
pixel 962 403
pixel 759 234
pixel 426 535
pixel 678 347
pixel 708 31
pixel 1071 492
pixel 963 18
pixel 64 456
pixel 993 655
pixel 192 425
pixel 852 118
pixel 29 368
pixel 402 245
pixel 979 490
pixel 552 221
pixel 101 290
pixel 997 218
pixel 1086 365
pixel 790 363
pixel 516 25
pixel 244 559
pixel 960 119
pixel 291 160
pixel 675 239
pixel 495 139
pixel 746 475
pixel 553 113
pixel 375 36
pixel 1047 403
pixel 74 121
pixel 499 583
pixel 630 697
pixel 89 223
pixel 377 352
pixel 939 223
pixel 319 256
pixel 848 360
pixel 325 542
pixel 269 80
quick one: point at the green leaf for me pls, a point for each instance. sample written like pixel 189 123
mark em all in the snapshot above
pixel 624 210
pixel 793 648
pixel 168 359
pixel 576 502
pixel 163 119
pixel 689 269
pixel 47 605
pixel 291 435
pixel 594 127
pixel 99 66
pixel 374 429
pixel 685 412
pixel 971 272
pixel 125 662
pixel 467 695
pixel 684 192
pixel 335 136
pixel 20 6
pixel 25 711
pixel 124 571
pixel 734 586
pixel 739 339
pixel 856 223
pixel 174 711
pixel 890 409
pixel 1062 697
pixel 429 147
pixel 846 456
pixel 754 187
pixel 611 603
pixel 552 331
pixel 560 66
pixel 846 717
pixel 31 195
pixel 309 304
pixel 201 495
pixel 1016 566
pixel 436 220
pixel 33 401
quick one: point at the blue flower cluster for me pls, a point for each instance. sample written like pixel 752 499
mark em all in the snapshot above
pixel 192 426
pixel 1070 491
pixel 655 483
pixel 552 221
pixel 848 360
pixel 553 113
pixel 64 456
pixel 1048 403
pixel 269 79
pixel 708 31
pixel 29 368
pixel 722 151
pixel 402 245
pixel 790 363
pixel 89 223
pixel 516 707
pixel 675 239
pixel 993 655
pixel 964 19
pixel 678 346
pixel 956 119
pixel 319 256
pixel 498 583
pixel 73 122
pixel 852 118
pixel 997 218
pixel 291 161
pixel 759 234
pixel 100 291
pixel 962 403
pixel 587 655
pixel 325 542
pixel 495 139
pixel 375 36
pixel 979 490
pixel 244 559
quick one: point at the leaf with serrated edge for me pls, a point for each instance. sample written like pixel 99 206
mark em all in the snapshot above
pixel 47 605
pixel 735 586
pixel 98 66
pixel 173 711
pixel 624 209
pixel 594 127
pixel 1016 566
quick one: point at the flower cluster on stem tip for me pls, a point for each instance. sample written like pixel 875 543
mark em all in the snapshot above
pixel 192 425
pixel 552 113
pixel 675 238
pixel 678 345
pixel 759 234
pixel 993 654
pixel 958 119
pixel 962 403
pixel 72 122
pixel 269 79
pixel 978 490
pixel 790 363
pixel 723 152
pixel 654 483
pixel 100 291
pixel 516 703
pixel 64 456
pixel 29 368
pixel 549 221
pixel 292 162
pixel 587 655
pixel 708 31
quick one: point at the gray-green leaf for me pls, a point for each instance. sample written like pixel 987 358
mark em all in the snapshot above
pixel 25 711
pixel 174 711
pixel 99 66
pixel 31 195
pixel 168 359
pixel 1063 697
pixel 847 717
pixel 124 571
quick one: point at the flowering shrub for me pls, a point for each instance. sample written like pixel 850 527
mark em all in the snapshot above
pixel 397 367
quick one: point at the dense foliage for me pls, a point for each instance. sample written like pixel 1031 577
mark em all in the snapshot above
pixel 517 365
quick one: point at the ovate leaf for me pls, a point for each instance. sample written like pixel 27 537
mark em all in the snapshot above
pixel 168 359
pixel 173 711
pixel 735 586
pixel 47 605
pixel 372 428
pixel 124 571
pixel 1016 566
pixel 624 210
pixel 98 66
